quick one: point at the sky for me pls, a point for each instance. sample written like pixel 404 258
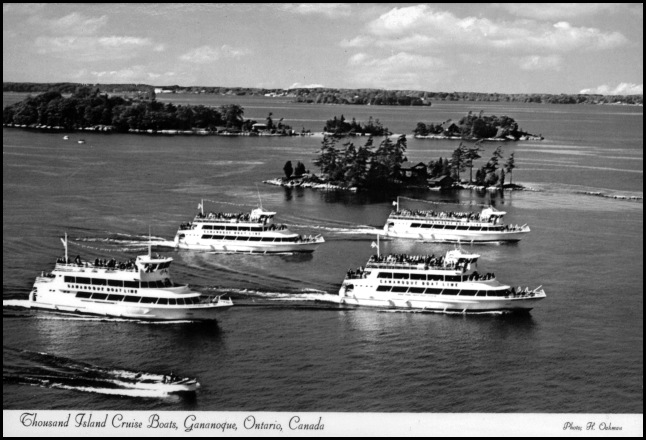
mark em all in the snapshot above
pixel 438 47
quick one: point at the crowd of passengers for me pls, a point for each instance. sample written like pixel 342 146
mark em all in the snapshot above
pixel 272 227
pixel 427 260
pixel 475 276
pixel 110 264
pixel 471 216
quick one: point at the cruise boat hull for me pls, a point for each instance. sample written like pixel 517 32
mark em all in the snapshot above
pixel 454 237
pixel 249 248
pixel 66 303
pixel 441 303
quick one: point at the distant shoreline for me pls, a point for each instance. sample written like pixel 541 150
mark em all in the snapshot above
pixel 110 129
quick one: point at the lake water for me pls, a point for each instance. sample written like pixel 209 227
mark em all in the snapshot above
pixel 282 348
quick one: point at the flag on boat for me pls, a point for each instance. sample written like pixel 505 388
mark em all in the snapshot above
pixel 64 241
pixel 373 244
pixel 199 206
pixel 394 203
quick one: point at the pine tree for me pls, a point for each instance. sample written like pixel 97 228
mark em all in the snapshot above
pixel 510 165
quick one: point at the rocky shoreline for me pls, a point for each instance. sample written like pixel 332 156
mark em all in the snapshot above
pixel 314 182
pixel 460 138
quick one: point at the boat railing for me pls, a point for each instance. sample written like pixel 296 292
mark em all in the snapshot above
pixel 73 267
pixel 414 266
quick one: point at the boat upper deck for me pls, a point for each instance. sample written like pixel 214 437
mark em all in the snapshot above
pixel 453 261
pixel 146 264
pixel 488 215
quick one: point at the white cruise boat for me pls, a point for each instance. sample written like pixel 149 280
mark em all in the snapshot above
pixel 482 227
pixel 449 283
pixel 138 289
pixel 254 232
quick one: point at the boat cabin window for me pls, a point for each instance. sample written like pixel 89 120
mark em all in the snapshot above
pixel 163 301
pixel 468 292
pixel 383 288
pixel 115 283
pixel 100 296
pixel 98 282
pixel 83 294
pixel 399 289
pixel 180 302
pixel 416 225
pixel 433 291
pixel 131 299
pixel 168 282
pixel 418 276
pixel 69 279
pixel 148 300
pixel 400 276
pixel 115 297
pixel 416 290
pixel 83 280
pixel 385 275
pixel 131 284
pixel 434 277
pixel 453 278
pixel 172 301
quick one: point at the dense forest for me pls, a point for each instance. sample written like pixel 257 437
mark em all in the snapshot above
pixel 474 127
pixel 362 167
pixel 88 107
pixel 324 95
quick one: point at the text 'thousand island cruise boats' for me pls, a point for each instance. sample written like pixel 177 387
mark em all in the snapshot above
pixel 238 232
pixel 485 226
pixel 138 289
pixel 449 283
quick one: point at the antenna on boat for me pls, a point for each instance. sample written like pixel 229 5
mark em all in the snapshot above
pixel 150 244
pixel 376 245
pixel 397 203
pixel 201 206
pixel 65 245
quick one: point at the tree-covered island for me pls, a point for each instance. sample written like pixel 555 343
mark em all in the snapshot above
pixel 475 127
pixel 340 127
pixel 89 109
pixel 384 168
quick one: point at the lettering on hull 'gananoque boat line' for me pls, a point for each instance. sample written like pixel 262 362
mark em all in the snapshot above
pixel 137 289
pixel 482 227
pixel 253 232
pixel 448 283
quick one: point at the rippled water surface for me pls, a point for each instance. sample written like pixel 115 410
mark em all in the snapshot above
pixel 283 347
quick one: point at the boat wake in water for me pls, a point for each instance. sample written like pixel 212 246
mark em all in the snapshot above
pixel 25 367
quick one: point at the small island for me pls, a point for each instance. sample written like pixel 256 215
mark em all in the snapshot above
pixel 339 127
pixel 385 168
pixel 476 128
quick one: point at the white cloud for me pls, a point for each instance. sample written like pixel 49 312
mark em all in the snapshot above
pixel 136 74
pixel 538 62
pixel 85 48
pixel 421 28
pixel 332 10
pixel 621 89
pixel 208 54
pixel 401 70
pixel 298 85
pixel 556 11
pixel 71 24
